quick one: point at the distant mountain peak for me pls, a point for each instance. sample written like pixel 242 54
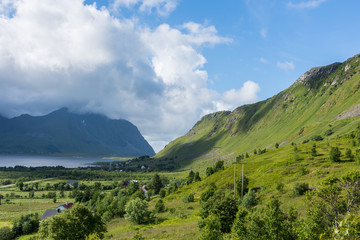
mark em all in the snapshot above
pixel 62 132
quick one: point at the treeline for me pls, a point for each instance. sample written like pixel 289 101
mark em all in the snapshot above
pixel 332 212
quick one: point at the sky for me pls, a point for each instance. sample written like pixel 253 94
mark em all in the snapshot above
pixel 163 64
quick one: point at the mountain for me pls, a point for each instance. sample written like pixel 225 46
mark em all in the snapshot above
pixel 64 133
pixel 323 101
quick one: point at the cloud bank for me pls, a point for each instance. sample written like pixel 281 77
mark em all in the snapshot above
pixel 56 53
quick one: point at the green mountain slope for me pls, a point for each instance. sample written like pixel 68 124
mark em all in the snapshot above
pixel 62 132
pixel 312 106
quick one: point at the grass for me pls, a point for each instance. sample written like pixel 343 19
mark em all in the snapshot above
pixel 293 115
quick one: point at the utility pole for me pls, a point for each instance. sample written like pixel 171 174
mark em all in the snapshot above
pixel 235 181
pixel 242 182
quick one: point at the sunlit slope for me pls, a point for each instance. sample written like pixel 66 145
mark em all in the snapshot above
pixel 311 106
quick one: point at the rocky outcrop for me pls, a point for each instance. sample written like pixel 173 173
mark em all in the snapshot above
pixel 316 74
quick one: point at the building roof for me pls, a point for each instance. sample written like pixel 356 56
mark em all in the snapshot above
pixel 72 181
pixel 49 213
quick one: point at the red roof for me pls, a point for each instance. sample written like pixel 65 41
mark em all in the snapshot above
pixel 68 205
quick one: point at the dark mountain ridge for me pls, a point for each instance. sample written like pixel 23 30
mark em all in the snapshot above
pixel 64 133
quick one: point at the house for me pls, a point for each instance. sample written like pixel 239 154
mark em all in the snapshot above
pixel 125 183
pixel 71 183
pixel 144 189
pixel 49 213
pixel 53 212
pixel 143 167
pixel 64 206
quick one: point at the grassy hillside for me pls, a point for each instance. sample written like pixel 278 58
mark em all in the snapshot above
pixel 287 165
pixel 313 105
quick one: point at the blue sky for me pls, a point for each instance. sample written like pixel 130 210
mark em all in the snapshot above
pixel 306 33
pixel 162 64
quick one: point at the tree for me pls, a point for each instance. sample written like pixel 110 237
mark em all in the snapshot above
pixel 6 233
pixel 239 229
pixel 222 205
pixel 209 171
pixel 197 177
pixel 20 184
pixel 210 228
pixel 276 145
pixel 160 206
pixel 137 211
pixel 313 151
pixel 219 165
pixel 249 199
pixel 156 183
pixel 190 177
pixel 79 221
pixel 300 188
pixel 348 154
pixel 335 154
pixel 276 223
pixel 162 193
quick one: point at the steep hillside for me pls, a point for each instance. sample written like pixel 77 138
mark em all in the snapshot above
pixel 312 106
pixel 62 132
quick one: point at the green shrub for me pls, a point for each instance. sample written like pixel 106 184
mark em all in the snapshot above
pixel 317 138
pixel 162 193
pixel 357 155
pixel 329 132
pixel 279 186
pixel 300 189
pixel 188 198
pixel 6 233
pixel 348 154
pixel 335 154
pixel 159 206
pixel 137 211
pixel 249 199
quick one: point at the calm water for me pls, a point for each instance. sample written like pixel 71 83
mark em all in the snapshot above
pixel 38 161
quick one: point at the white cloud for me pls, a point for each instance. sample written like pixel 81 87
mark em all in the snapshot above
pixel 286 65
pixel 263 33
pixel 64 53
pixel 236 97
pixel 306 4
pixel 162 7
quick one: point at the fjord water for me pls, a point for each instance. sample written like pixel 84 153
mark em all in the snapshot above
pixel 49 161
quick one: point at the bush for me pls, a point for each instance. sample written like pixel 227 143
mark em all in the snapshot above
pixel 209 171
pixel 159 206
pixel 348 154
pixel 249 199
pixel 335 154
pixel 79 221
pixel 138 236
pixel 357 156
pixel 208 193
pixel 162 193
pixel 300 189
pixel 137 211
pixel 224 206
pixel 329 132
pixel 188 198
pixel 6 233
pixel 279 186
pixel 317 138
